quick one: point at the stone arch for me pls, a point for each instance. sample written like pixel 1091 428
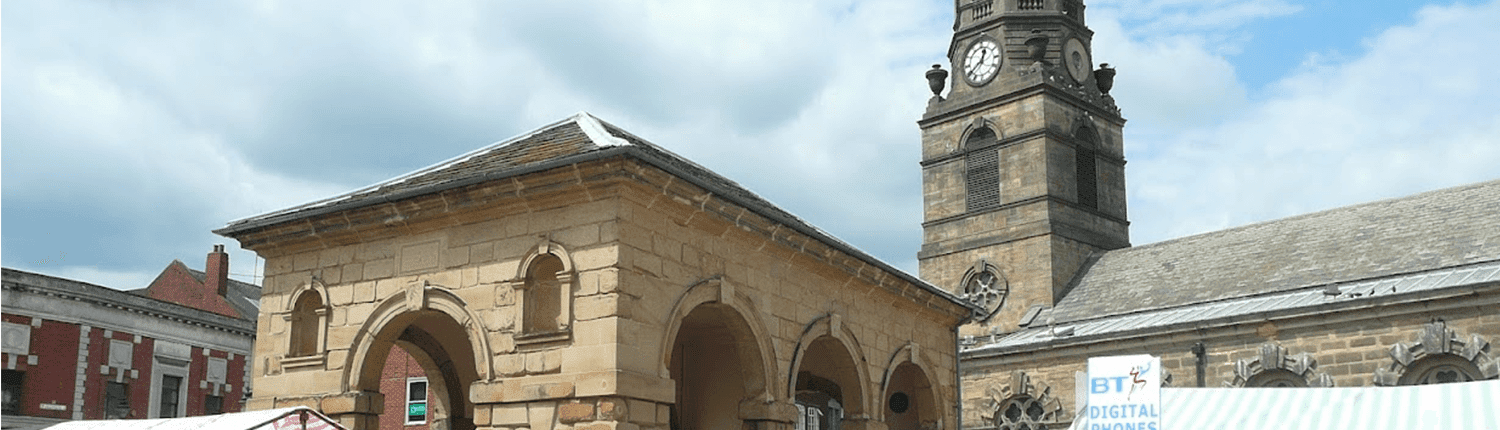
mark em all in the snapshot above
pixel 979 123
pixel 713 312
pixel 1020 405
pixel 1274 368
pixel 827 344
pixel 1086 134
pixel 1438 353
pixel 907 374
pixel 424 320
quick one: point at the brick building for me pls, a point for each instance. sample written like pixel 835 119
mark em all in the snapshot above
pixel 581 276
pixel 1023 180
pixel 74 350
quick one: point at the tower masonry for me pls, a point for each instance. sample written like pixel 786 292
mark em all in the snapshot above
pixel 1022 160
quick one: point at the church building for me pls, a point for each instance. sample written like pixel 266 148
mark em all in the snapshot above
pixel 1025 215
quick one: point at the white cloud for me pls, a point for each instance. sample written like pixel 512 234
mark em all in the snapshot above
pixel 1403 117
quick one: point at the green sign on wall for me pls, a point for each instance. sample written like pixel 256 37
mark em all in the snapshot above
pixel 416 410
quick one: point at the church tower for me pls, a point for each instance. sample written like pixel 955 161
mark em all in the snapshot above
pixel 1023 168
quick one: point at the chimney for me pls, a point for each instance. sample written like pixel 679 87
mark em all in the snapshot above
pixel 217 270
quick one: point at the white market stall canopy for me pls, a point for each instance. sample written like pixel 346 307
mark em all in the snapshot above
pixel 1468 405
pixel 297 418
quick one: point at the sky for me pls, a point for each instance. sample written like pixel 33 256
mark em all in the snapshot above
pixel 129 130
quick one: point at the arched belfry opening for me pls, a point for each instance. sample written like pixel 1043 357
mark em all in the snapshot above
pixel 716 366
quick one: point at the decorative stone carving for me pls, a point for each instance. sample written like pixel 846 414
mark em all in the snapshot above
pixel 1439 355
pixel 985 286
pixel 1274 368
pixel 1020 405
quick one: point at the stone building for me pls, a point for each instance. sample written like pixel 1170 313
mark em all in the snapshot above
pixel 77 351
pixel 580 277
pixel 1023 181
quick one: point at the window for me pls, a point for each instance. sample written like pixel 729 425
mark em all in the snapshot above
pixel 1276 378
pixel 416 401
pixel 171 388
pixel 13 383
pixel 116 401
pixel 1021 412
pixel 306 317
pixel 982 171
pixel 213 405
pixel 1086 173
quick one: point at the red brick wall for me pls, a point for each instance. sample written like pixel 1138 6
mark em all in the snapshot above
pixel 52 379
pixel 398 366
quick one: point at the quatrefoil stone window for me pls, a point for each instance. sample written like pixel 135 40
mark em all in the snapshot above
pixel 984 286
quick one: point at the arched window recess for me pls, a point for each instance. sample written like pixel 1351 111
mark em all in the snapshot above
pixel 544 284
pixel 306 320
pixel 1439 356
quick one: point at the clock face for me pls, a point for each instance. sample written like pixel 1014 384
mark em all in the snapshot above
pixel 1076 58
pixel 982 62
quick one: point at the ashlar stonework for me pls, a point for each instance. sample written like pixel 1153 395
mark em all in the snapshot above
pixel 578 277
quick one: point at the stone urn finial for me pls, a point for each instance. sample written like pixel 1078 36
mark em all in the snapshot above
pixel 1105 78
pixel 937 78
pixel 1036 46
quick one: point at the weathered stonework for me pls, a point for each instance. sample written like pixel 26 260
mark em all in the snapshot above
pixel 645 256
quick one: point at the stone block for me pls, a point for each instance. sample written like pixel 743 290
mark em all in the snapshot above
pixel 455 257
pixel 573 412
pixel 388 287
pixel 512 414
pixel 510 364
pixel 364 292
pixel 542 415
pixel 614 409
pixel 341 294
pixel 645 412
pixel 377 269
pixel 600 306
pixel 598 257
pixel 497 272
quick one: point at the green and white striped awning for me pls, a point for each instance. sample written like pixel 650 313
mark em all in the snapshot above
pixel 1469 405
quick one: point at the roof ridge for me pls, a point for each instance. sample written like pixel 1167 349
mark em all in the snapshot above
pixel 577 118
pixel 1325 212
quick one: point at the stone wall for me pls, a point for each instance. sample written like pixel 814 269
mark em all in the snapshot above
pixel 1350 346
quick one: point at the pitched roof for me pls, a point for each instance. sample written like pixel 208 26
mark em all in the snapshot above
pixel 579 138
pixel 1439 229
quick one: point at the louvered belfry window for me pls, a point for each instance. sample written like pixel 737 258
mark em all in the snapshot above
pixel 982 178
pixel 1087 175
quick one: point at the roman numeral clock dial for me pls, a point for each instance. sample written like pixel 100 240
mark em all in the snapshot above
pixel 982 62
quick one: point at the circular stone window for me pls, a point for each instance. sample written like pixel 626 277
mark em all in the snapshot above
pixel 900 402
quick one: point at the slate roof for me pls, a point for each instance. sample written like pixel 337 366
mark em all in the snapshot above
pixel 1399 249
pixel 579 138
pixel 1444 228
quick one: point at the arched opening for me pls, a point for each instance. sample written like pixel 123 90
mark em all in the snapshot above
pixel 306 319
pixel 716 365
pixel 1276 378
pixel 982 171
pixel 910 403
pixel 827 388
pixel 1441 369
pixel 441 348
pixel 1086 174
pixel 543 307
